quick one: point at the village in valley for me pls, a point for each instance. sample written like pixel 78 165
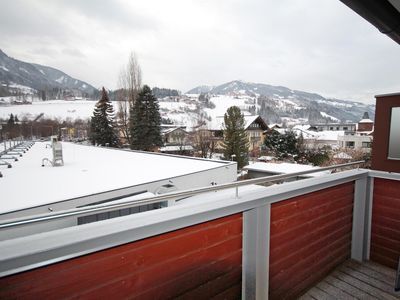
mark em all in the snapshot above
pixel 134 165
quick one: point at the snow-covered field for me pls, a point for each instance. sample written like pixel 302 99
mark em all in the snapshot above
pixel 222 103
pixel 55 109
pixel 179 112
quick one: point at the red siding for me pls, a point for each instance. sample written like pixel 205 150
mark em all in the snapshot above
pixel 385 230
pixel 310 235
pixel 198 262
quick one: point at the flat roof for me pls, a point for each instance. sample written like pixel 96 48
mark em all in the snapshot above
pixel 87 170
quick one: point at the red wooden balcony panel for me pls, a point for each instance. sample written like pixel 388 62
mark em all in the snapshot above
pixel 385 229
pixel 310 236
pixel 168 265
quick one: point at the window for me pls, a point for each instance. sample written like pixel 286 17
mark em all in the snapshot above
pixel 345 128
pixel 350 144
pixel 366 144
pixel 394 136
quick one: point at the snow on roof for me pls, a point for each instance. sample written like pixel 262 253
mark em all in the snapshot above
pixel 301 127
pixel 284 168
pixel 328 135
pixel 325 135
pixel 169 130
pixel 366 121
pixel 176 148
pixel 86 170
pixel 218 122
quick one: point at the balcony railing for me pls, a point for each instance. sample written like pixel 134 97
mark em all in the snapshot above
pixel 254 242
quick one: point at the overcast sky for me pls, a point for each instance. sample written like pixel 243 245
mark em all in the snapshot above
pixel 311 45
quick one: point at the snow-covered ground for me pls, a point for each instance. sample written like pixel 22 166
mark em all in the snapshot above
pixel 179 112
pixel 325 115
pixel 54 109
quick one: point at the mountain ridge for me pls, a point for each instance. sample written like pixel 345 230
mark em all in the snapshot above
pixel 277 102
pixel 40 78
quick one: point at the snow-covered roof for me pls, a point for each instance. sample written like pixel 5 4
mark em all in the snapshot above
pixel 87 170
pixel 366 121
pixel 325 135
pixel 218 122
pixel 301 127
pixel 169 130
pixel 284 168
pixel 176 148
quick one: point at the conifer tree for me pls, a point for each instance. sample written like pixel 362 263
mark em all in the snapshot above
pixel 102 130
pixel 285 145
pixel 145 121
pixel 235 145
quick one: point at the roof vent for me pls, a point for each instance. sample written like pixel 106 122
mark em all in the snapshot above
pixel 57 153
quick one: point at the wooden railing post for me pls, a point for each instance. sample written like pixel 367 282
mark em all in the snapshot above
pixel 256 234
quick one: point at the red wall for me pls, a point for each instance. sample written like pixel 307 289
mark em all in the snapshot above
pixel 380 147
pixel 385 229
pixel 310 236
pixel 197 262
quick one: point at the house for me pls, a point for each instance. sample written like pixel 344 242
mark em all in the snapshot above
pixel 255 126
pixel 361 138
pixel 175 136
pixel 334 126
pixel 318 139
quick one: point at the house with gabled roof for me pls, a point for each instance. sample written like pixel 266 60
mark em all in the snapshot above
pixel 255 126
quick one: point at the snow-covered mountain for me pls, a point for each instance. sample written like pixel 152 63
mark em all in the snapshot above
pixel 278 103
pixel 202 89
pixel 15 73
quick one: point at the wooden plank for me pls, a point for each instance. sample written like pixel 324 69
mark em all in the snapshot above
pixel 306 296
pixel 364 286
pixel 348 288
pixel 318 294
pixel 382 286
pixel 363 268
pixel 334 291
pixel 381 269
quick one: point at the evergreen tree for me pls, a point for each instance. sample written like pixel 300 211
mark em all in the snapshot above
pixel 145 121
pixel 235 138
pixel 284 145
pixel 102 131
pixel 11 120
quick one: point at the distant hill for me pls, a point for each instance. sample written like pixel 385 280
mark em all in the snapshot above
pixel 203 89
pixel 46 81
pixel 277 103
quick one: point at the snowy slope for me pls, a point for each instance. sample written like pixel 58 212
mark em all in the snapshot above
pixel 283 103
pixel 38 77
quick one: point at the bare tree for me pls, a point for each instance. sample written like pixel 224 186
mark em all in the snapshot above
pixel 129 83
pixel 203 143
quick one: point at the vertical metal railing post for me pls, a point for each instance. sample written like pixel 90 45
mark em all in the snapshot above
pixel 255 259
pixel 359 220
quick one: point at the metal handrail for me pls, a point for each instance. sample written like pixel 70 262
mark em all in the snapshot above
pixel 156 199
